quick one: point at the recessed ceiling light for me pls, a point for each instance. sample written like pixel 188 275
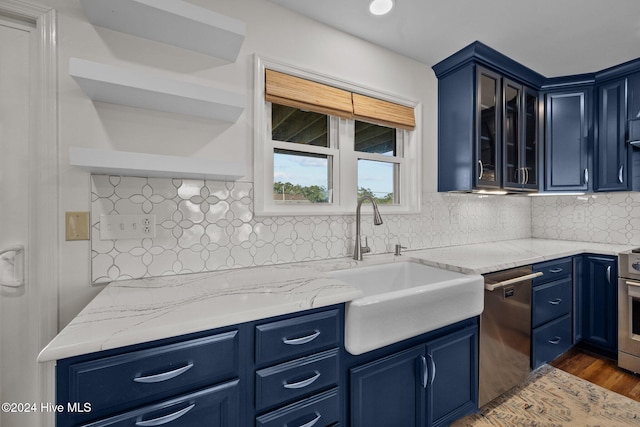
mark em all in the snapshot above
pixel 380 7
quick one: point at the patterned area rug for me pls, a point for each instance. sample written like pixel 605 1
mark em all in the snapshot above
pixel 554 398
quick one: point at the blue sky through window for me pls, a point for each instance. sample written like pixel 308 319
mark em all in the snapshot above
pixel 306 171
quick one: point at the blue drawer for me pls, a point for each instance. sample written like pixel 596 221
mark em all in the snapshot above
pixel 552 300
pixel 551 340
pixel 217 406
pixel 553 270
pixel 132 379
pixel 321 410
pixel 286 339
pixel 289 381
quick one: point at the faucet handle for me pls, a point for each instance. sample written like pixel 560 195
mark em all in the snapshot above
pixel 366 249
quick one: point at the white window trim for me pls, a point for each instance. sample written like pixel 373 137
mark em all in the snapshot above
pixel 343 203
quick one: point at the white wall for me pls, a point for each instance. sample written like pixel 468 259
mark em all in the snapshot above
pixel 272 32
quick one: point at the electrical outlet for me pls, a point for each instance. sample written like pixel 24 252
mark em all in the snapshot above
pixel 116 227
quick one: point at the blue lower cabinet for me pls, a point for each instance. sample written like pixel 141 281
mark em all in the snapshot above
pixel 551 340
pixel 552 315
pixel 552 300
pixel 234 377
pixel 432 384
pixel 135 378
pixel 295 379
pixel 317 411
pixel 600 304
pixel 217 406
pixel 390 391
pixel 453 386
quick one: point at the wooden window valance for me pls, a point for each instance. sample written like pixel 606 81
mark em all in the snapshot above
pixel 300 93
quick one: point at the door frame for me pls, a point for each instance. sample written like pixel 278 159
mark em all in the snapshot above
pixel 42 243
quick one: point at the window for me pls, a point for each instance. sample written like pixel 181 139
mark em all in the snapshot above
pixel 320 144
pixel 379 157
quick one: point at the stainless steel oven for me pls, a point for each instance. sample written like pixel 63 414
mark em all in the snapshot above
pixel 629 310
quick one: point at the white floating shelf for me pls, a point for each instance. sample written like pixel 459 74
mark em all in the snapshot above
pixel 174 22
pixel 134 88
pixel 110 162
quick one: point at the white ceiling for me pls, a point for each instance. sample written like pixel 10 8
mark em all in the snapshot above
pixel 552 37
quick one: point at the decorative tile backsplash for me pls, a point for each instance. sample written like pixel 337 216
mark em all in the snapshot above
pixel 209 225
pixel 601 217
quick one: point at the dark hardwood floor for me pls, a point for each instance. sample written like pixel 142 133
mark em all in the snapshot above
pixel 601 371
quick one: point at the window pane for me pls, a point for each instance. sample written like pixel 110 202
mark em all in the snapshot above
pixel 375 139
pixel 301 177
pixel 290 124
pixel 377 179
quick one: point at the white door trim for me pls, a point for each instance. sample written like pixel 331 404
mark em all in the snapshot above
pixel 42 245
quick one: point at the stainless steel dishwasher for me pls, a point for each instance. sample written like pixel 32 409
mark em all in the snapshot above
pixel 505 331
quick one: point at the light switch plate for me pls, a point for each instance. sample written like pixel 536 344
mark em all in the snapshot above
pixel 76 226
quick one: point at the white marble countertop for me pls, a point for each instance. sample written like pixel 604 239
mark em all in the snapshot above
pixel 485 258
pixel 135 311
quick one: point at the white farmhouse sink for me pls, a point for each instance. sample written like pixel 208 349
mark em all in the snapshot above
pixel 405 299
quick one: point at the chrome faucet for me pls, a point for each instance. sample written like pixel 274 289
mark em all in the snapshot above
pixel 358 249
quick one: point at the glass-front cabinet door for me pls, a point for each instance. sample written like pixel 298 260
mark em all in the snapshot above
pixel 489 129
pixel 530 139
pixel 520 137
pixel 514 174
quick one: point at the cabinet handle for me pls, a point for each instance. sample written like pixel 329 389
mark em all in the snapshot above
pixel 526 175
pixel 555 301
pixel 586 176
pixel 609 274
pixel 481 169
pixel 158 378
pixel 555 270
pixel 425 372
pixel 433 369
pixel 303 383
pixel 301 340
pixel 312 422
pixel 620 174
pixel 166 419
pixel 555 340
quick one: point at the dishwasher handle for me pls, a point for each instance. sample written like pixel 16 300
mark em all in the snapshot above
pixel 494 286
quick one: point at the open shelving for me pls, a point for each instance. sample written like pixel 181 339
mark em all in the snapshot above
pixel 125 163
pixel 173 22
pixel 116 85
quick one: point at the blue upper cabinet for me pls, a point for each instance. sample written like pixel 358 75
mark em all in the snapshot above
pixel 491 135
pixel 520 137
pixel 633 130
pixel 567 140
pixel 489 129
pixel 487 122
pixel 610 147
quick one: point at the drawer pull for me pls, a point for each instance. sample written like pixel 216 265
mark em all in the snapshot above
pixel 555 301
pixel 301 340
pixel 312 422
pixel 158 378
pixel 303 383
pixel 166 419
pixel 555 270
pixel 555 340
